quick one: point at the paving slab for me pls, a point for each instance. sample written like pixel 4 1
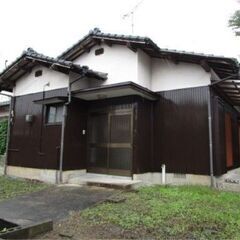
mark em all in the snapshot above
pixel 93 179
pixel 54 203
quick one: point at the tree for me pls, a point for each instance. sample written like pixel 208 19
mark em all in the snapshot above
pixel 234 22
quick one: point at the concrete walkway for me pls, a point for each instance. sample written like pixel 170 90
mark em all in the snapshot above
pixel 54 203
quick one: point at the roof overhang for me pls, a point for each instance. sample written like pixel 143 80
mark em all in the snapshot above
pixel 51 100
pixel 30 59
pixel 223 66
pixel 229 89
pixel 115 90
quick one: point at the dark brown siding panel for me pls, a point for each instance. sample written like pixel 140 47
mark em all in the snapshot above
pixel 236 162
pixel 75 149
pixel 143 136
pixel 181 131
pixel 27 148
pixel 219 153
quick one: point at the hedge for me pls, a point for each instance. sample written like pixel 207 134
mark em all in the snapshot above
pixel 3 136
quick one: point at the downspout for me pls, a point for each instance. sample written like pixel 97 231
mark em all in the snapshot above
pixel 8 131
pixel 210 138
pixel 64 120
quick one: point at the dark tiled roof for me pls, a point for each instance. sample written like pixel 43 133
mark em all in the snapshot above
pixel 222 65
pixel 96 33
pixel 30 58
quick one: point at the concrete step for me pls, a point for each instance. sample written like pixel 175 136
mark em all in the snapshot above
pixel 227 186
pixel 102 180
pixel 230 181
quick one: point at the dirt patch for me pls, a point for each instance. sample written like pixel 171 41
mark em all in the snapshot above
pixel 76 227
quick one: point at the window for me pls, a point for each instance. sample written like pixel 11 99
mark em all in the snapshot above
pixel 54 114
pixel 99 51
pixel 38 73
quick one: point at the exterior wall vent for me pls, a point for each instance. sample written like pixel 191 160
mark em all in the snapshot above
pixel 99 51
pixel 38 73
pixel 179 175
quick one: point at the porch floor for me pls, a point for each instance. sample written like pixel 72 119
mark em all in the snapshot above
pixel 105 181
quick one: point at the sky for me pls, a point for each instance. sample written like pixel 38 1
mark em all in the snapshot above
pixel 51 26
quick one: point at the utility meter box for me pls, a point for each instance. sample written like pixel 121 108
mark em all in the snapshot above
pixel 29 118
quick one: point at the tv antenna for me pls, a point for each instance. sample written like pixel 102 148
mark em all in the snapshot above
pixel 131 13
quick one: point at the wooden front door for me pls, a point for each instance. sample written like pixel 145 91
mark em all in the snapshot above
pixel 229 140
pixel 110 142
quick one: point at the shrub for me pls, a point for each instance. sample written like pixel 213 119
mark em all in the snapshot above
pixel 3 136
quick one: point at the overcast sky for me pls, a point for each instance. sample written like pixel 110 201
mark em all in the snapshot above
pixel 51 26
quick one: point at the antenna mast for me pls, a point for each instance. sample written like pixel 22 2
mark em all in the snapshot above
pixel 131 14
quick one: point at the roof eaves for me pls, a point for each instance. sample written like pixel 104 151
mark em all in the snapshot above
pixel 97 34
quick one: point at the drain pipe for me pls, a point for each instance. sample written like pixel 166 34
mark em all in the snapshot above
pixel 60 178
pixel 8 130
pixel 64 120
pixel 210 138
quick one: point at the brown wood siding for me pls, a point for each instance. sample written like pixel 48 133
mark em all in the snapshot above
pixel 239 141
pixel 143 154
pixel 27 148
pixel 75 143
pixel 181 131
pixel 172 130
pixel 229 140
pixel 219 152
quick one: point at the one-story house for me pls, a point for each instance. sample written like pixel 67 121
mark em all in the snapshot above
pixel 120 105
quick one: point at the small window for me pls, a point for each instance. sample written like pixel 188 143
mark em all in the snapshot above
pixel 99 51
pixel 54 114
pixel 38 73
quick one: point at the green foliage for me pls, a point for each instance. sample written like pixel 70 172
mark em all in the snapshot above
pixel 234 21
pixel 192 212
pixel 3 136
pixel 12 187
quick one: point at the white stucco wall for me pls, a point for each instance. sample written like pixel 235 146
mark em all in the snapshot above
pixel 122 65
pixel 118 61
pixel 31 84
pixel 156 74
pixel 144 71
pixel 167 75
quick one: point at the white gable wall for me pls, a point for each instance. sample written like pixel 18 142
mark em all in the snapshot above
pixel 166 75
pixel 144 69
pixel 122 65
pixel 118 61
pixel 156 74
pixel 30 84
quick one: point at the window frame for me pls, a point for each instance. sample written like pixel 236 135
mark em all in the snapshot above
pixel 46 117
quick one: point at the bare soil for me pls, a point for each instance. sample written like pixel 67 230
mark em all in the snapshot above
pixel 76 227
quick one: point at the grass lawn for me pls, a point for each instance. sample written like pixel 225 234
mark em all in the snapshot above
pixel 157 212
pixel 10 188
